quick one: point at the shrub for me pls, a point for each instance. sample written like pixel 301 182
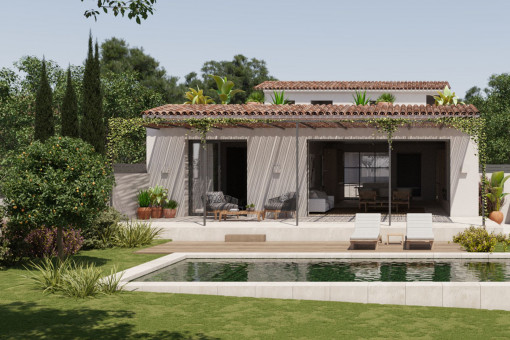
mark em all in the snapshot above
pixel 60 183
pixel 111 283
pixel 42 242
pixel 135 234
pixel 48 274
pixel 101 234
pixel 72 279
pixel 476 239
pixel 80 281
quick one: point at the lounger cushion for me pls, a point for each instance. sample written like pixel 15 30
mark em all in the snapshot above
pixel 419 227
pixel 367 227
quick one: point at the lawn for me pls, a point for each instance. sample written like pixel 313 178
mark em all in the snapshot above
pixel 25 312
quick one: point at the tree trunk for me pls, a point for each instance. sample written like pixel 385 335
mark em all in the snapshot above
pixel 60 248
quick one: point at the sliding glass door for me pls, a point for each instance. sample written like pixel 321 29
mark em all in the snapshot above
pixel 225 170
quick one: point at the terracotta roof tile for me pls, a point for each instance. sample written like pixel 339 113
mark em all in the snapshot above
pixel 312 112
pixel 352 85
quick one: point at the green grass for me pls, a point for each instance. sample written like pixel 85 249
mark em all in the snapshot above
pixel 27 313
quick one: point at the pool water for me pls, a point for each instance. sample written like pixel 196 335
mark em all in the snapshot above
pixel 328 270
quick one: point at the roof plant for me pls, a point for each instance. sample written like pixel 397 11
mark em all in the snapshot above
pixel 447 97
pixel 256 97
pixel 197 97
pixel 361 98
pixel 386 98
pixel 278 98
pixel 225 89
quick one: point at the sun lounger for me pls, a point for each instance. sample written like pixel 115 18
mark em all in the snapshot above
pixel 367 230
pixel 419 229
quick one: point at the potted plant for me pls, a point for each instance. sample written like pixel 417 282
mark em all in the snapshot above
pixel 169 209
pixel 144 202
pixel 496 195
pixel 386 98
pixel 250 207
pixel 157 194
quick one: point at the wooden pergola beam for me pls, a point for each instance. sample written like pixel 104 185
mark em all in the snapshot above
pixel 308 125
pixel 276 126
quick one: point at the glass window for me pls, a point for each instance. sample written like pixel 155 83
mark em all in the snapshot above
pixel 351 159
pixel 364 167
pixel 351 175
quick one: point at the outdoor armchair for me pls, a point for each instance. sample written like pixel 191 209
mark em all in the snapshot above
pixel 285 202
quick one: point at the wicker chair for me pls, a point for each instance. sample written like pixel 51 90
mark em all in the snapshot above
pixel 285 202
pixel 216 202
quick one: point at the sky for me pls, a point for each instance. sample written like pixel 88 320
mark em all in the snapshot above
pixel 463 42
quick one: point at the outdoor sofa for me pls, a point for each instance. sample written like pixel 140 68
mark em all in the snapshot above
pixel 319 201
pixel 216 201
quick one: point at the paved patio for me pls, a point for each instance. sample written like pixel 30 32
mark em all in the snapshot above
pixel 286 247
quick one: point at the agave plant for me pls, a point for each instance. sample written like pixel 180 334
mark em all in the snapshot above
pixel 256 97
pixel 447 97
pixel 361 98
pixel 496 185
pixel 386 98
pixel 224 90
pixel 278 98
pixel 197 97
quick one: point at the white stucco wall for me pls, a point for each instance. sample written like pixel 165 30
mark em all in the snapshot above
pixel 344 97
pixel 167 161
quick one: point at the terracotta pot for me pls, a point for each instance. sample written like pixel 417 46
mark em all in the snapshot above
pixel 143 213
pixel 156 212
pixel 496 216
pixel 169 213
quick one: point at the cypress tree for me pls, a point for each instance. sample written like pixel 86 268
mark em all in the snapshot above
pixel 44 123
pixel 70 126
pixel 93 128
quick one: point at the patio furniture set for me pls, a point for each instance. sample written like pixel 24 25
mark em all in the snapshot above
pixel 372 199
pixel 224 205
pixel 367 230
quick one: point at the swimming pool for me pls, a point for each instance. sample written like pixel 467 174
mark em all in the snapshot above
pixel 332 270
pixel 462 280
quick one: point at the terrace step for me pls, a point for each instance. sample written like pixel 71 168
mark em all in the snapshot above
pixel 245 238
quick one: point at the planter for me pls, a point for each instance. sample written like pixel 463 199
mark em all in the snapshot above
pixel 156 212
pixel 496 216
pixel 143 213
pixel 169 213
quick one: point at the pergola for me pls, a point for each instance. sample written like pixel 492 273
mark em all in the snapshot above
pixel 383 116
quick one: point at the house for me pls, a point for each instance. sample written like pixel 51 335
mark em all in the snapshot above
pixel 321 143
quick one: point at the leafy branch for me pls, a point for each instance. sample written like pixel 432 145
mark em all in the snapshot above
pixel 137 9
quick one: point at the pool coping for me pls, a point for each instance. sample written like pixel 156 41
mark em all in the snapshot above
pixel 480 295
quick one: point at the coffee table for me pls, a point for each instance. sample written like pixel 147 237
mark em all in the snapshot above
pixel 224 213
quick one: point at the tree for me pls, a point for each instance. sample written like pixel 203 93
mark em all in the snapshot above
pixel 93 129
pixel 118 57
pixel 494 105
pixel 69 111
pixel 137 9
pixel 245 73
pixel 61 183
pixel 44 124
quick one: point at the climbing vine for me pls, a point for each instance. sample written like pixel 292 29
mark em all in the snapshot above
pixel 474 127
